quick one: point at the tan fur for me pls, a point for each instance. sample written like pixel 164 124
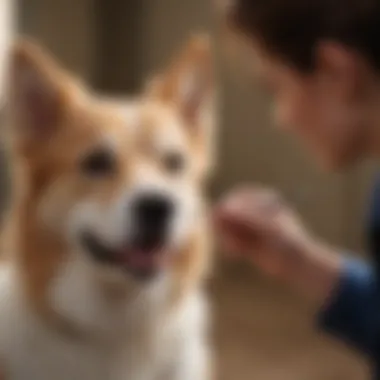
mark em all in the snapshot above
pixel 45 164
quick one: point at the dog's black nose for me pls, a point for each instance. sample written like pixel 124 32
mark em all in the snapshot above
pixel 153 209
pixel 152 213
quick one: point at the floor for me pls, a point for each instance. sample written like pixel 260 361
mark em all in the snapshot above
pixel 262 332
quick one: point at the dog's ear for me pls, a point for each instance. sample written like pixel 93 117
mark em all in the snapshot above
pixel 189 81
pixel 189 86
pixel 37 92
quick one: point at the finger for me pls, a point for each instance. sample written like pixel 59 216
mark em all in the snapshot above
pixel 231 226
pixel 235 235
pixel 253 193
pixel 235 197
pixel 225 239
pixel 246 226
pixel 232 247
pixel 265 203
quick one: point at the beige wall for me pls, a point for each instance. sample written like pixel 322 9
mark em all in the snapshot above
pixel 66 27
pixel 133 46
pixel 7 29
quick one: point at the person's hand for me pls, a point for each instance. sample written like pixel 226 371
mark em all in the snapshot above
pixel 255 223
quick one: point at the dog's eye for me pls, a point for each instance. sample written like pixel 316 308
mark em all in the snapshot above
pixel 100 162
pixel 174 162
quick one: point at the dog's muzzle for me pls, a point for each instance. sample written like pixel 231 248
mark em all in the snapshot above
pixel 145 252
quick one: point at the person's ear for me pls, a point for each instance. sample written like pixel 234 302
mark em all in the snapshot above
pixel 339 69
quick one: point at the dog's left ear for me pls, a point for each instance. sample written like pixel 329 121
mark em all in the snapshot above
pixel 189 82
pixel 38 92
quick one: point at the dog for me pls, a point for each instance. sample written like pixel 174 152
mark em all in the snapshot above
pixel 106 242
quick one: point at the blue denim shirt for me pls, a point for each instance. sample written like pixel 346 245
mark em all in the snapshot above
pixel 353 312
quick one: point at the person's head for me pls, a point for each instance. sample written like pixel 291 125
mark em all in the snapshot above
pixel 321 59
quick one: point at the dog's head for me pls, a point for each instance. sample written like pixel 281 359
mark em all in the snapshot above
pixel 118 182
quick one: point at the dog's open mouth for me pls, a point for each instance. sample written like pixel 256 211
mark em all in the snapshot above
pixel 143 263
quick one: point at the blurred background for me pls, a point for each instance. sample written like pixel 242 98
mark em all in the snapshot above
pixel 260 330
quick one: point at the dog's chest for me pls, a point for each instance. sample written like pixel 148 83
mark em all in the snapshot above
pixel 31 351
pixel 44 358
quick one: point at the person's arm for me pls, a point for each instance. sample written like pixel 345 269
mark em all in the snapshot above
pixel 352 312
pixel 256 225
pixel 346 291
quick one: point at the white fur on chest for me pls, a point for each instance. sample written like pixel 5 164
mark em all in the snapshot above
pixel 137 341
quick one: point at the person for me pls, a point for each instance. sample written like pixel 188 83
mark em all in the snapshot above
pixel 321 61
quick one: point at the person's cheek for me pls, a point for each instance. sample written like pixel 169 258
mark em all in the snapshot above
pixel 330 130
pixel 285 114
pixel 307 125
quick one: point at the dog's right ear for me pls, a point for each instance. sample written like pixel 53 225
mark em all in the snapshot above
pixel 36 92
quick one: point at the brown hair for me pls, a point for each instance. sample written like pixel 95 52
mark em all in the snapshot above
pixel 291 29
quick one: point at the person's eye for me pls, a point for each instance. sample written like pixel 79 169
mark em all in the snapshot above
pixel 98 163
pixel 174 162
